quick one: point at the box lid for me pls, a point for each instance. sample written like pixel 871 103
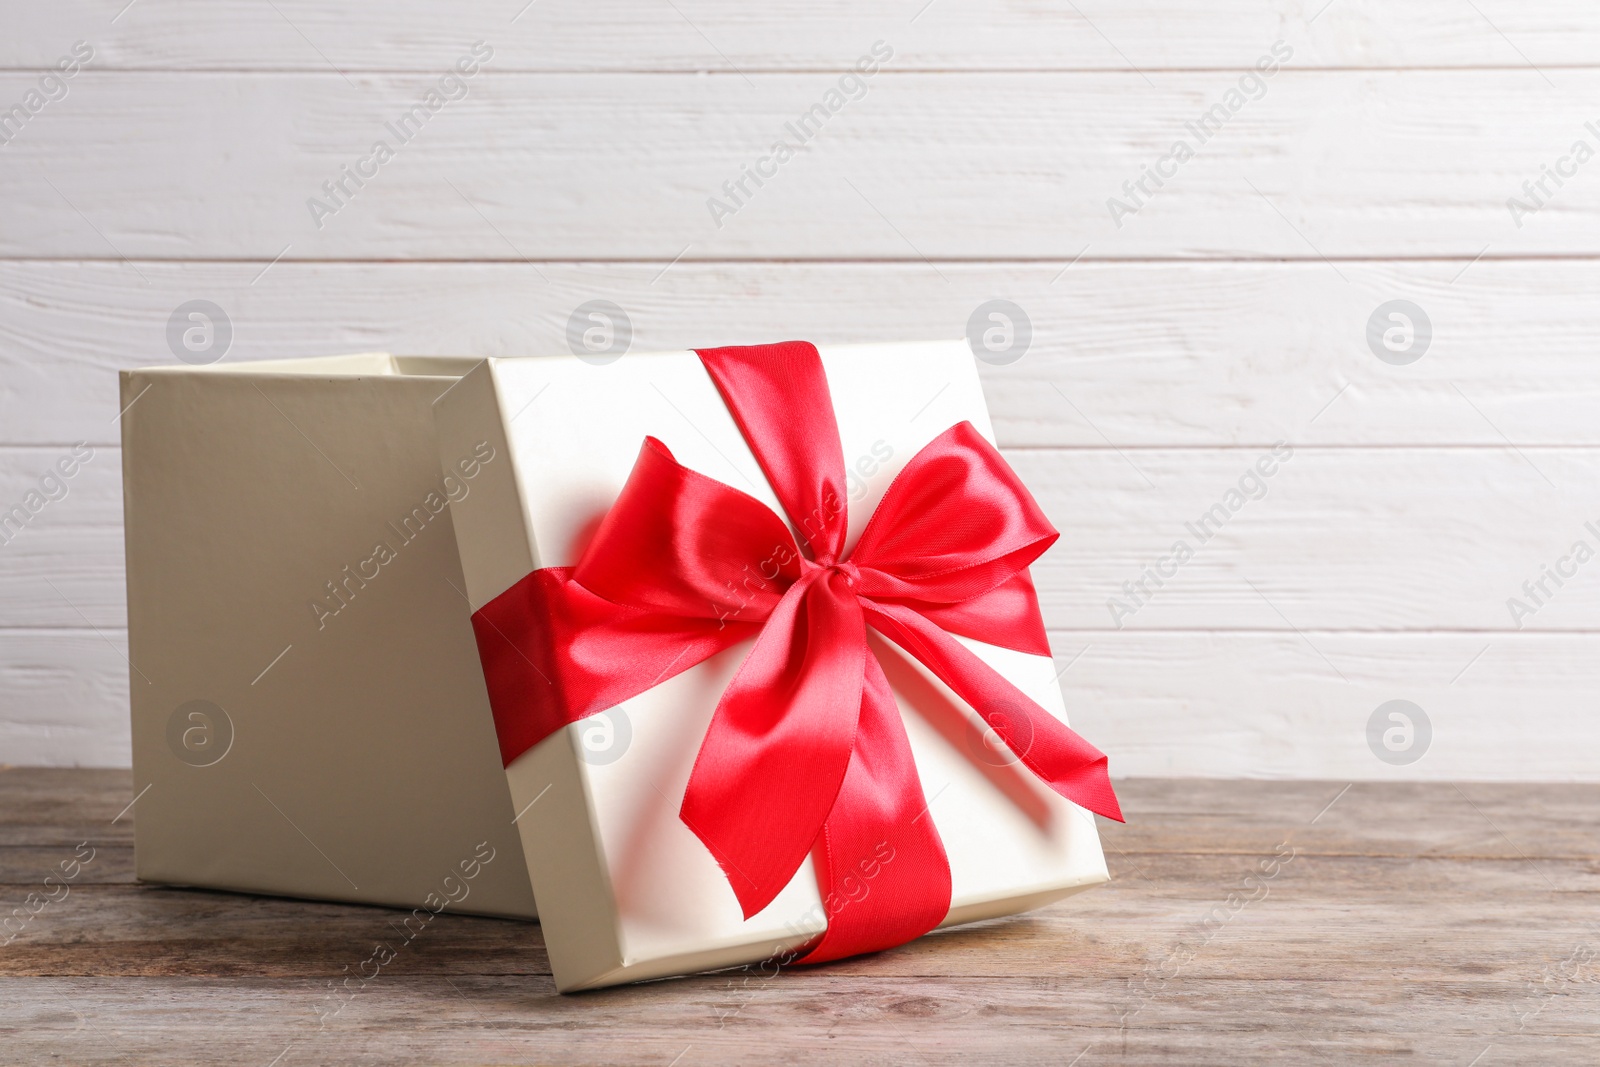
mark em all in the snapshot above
pixel 625 890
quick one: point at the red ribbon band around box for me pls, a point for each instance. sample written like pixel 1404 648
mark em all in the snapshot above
pixel 806 752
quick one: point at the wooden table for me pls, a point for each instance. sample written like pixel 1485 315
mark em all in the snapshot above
pixel 1279 922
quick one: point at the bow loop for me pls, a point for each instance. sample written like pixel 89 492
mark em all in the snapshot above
pixel 679 543
pixel 955 524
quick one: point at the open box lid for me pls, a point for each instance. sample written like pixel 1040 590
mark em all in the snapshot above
pixel 625 890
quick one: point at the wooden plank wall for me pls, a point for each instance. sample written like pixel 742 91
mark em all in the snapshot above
pixel 1177 338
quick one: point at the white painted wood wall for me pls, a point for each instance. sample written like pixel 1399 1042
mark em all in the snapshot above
pixel 1229 313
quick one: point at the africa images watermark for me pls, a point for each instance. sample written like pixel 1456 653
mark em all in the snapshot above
pixel 763 580
pixel 354 578
pixel 1538 191
pixel 51 88
pixel 1557 979
pixel 57 886
pixel 1538 590
pixel 453 889
pixel 853 888
pixel 53 485
pixel 1252 485
pixel 803 130
pixel 1252 86
pixel 1201 933
pixel 450 87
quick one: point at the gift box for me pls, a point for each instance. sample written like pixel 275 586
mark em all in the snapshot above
pixel 767 670
pixel 309 716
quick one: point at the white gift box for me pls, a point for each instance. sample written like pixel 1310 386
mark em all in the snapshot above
pixel 309 716
pixel 626 891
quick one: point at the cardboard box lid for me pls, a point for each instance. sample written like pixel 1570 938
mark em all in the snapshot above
pixel 627 892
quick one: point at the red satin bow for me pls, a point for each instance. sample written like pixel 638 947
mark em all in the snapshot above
pixel 806 752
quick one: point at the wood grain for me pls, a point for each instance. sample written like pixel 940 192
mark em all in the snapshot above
pixel 1403 539
pixel 1150 355
pixel 65 697
pixel 923 167
pixel 1288 705
pixel 1247 704
pixel 1400 923
pixel 1143 354
pixel 1226 315
pixel 724 38
pixel 1339 539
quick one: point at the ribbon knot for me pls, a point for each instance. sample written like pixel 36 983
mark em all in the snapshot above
pixel 845 569
pixel 806 753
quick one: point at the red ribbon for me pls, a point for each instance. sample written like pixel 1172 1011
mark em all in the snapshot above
pixel 806 753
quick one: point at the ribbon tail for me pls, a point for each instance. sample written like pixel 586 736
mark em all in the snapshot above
pixel 882 869
pixel 1056 754
pixel 779 744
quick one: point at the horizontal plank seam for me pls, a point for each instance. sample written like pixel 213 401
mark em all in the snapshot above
pixel 1309 260
pixel 847 973
pixel 899 71
pixel 1486 447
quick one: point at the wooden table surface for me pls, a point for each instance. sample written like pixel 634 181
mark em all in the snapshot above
pixel 1281 922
